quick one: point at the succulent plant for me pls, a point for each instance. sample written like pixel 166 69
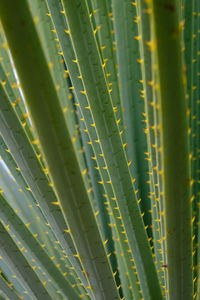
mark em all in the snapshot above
pixel 100 149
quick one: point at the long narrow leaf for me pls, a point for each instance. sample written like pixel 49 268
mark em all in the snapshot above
pixel 56 142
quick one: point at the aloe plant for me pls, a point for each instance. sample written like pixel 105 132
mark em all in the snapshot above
pixel 99 145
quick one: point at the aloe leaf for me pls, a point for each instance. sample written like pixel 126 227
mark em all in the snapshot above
pixel 53 53
pixel 17 176
pixel 57 67
pixel 52 211
pixel 152 135
pixel 55 141
pixel 10 218
pixel 25 206
pixel 15 101
pixel 8 291
pixel 28 209
pixel 32 170
pixel 8 274
pixel 124 278
pixel 69 55
pixel 35 265
pixel 87 120
pixel 98 190
pixel 165 24
pixel 192 43
pixel 113 220
pixel 15 258
pixel 31 202
pixel 15 97
pixel 191 47
pixel 95 88
pixel 198 165
pixel 109 234
pixel 8 68
pixel 104 37
pixel 22 192
pixel 129 71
